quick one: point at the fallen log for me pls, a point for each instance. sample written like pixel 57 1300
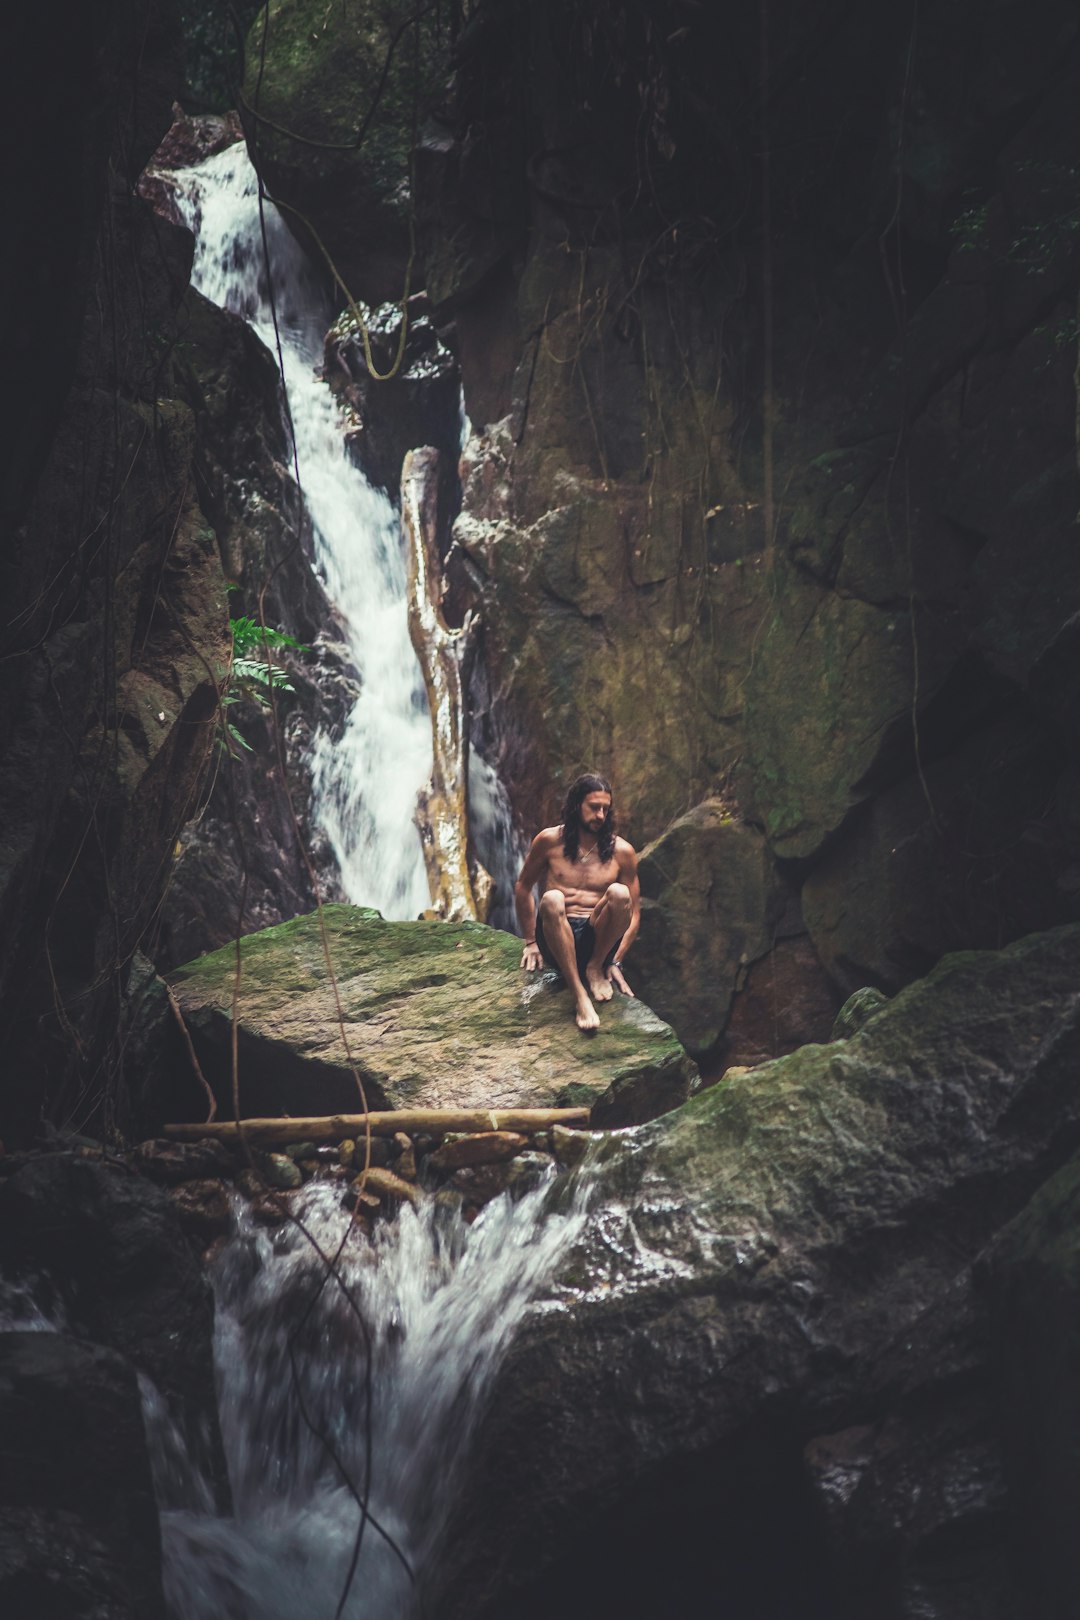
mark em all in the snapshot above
pixel 337 1127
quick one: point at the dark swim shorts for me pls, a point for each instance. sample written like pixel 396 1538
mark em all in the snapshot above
pixel 584 944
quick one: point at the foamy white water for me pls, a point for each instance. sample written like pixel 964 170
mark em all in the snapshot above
pixel 365 782
pixel 403 1345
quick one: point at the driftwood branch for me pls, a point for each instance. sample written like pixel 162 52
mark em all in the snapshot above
pixel 442 810
pixel 337 1127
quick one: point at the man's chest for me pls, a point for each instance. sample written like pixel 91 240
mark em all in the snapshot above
pixel 591 875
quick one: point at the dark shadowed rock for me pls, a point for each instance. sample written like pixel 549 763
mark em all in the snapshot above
pixel 711 899
pixel 203 1208
pixel 79 1531
pixel 1031 1278
pixel 412 401
pixel 785 1000
pixel 114 1249
pixel 117 620
pixel 915 1505
pixel 170 1163
pixel 975 850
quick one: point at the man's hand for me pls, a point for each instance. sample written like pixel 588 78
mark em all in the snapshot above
pixel 531 958
pixel 615 974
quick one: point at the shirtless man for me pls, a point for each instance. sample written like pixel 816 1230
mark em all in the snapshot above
pixel 588 914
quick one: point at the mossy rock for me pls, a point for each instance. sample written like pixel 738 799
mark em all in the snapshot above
pixel 435 1015
pixel 795 1240
pixel 857 1011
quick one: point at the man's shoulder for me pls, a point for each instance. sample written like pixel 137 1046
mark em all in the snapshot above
pixel 624 851
pixel 548 838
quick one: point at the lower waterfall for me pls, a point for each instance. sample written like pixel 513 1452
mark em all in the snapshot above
pixel 364 1381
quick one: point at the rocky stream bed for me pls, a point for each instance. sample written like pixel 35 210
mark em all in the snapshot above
pixel 801 1300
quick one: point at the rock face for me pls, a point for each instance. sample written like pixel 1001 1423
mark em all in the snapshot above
pixel 412 401
pixel 795 1270
pixel 78 1521
pixel 113 1250
pixel 436 1015
pixel 1032 1276
pixel 742 520
pixel 116 617
pixel 105 1253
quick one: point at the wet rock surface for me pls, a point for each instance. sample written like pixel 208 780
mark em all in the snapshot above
pixel 791 1254
pixel 414 398
pixel 435 1014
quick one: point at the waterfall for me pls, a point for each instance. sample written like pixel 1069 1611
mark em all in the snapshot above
pixel 374 1376
pixel 364 782
pixel 362 1379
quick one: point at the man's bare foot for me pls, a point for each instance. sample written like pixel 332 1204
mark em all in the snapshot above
pixel 586 1018
pixel 597 980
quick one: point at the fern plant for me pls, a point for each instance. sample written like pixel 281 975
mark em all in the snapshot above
pixel 250 677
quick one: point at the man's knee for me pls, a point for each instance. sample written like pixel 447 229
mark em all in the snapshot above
pixel 553 903
pixel 619 895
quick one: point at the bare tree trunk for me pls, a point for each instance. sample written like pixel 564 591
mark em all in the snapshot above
pixel 442 808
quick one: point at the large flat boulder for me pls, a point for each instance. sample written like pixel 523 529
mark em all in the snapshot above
pixel 434 1015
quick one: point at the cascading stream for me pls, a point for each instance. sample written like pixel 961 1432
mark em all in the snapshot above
pixel 364 782
pixel 374 1374
pixel 426 1308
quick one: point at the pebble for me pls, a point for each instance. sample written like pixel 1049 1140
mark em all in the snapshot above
pixel 480 1183
pixel 570 1147
pixel 527 1171
pixel 278 1170
pixel 297 1150
pixel 386 1184
pixel 406 1163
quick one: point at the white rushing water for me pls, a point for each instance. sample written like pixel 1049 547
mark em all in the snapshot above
pixel 402 1345
pixel 364 782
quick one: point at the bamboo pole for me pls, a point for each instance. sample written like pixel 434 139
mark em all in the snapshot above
pixel 337 1127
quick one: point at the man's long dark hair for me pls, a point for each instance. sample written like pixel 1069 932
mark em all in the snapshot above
pixel 571 817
